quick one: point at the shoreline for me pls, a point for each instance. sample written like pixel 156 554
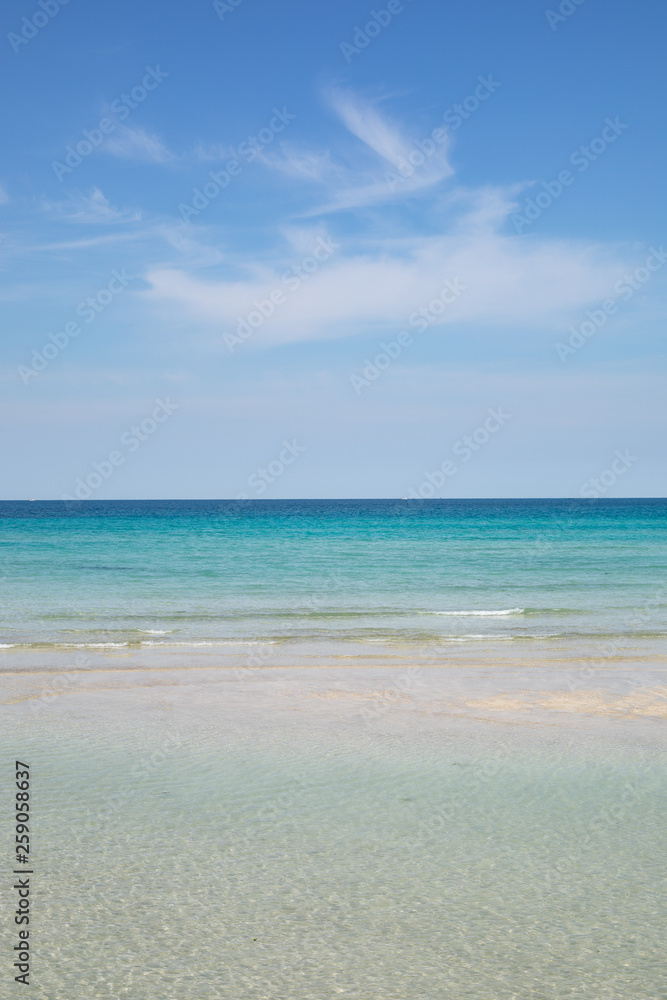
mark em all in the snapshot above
pixel 414 699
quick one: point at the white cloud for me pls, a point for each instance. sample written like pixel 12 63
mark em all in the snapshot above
pixel 91 208
pixel 196 253
pixel 137 144
pixel 364 121
pixel 213 153
pixel 381 169
pixel 374 283
pixel 304 164
pixel 508 281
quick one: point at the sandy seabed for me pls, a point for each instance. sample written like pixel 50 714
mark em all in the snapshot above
pixel 530 693
pixel 480 832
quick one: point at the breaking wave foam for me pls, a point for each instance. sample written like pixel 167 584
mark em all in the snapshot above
pixel 481 614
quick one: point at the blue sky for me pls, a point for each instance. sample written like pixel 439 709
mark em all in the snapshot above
pixel 304 249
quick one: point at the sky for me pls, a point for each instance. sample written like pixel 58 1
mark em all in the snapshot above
pixel 333 249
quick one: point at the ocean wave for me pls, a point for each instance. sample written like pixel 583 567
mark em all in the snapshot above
pixel 137 643
pixel 513 637
pixel 407 638
pixel 478 614
pixel 557 611
pixel 94 645
pixel 179 620
pixel 215 642
pixel 473 636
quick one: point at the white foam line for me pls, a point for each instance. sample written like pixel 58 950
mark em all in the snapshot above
pixel 480 614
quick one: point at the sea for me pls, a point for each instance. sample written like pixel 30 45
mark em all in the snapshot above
pixel 309 581
pixel 235 792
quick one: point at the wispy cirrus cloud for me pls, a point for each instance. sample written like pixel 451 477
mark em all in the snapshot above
pixel 136 144
pixel 305 164
pixel 361 175
pixel 377 132
pixel 376 282
pixel 92 208
pixel 212 153
pixel 145 236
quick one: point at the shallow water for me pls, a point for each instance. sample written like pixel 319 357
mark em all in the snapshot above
pixel 277 864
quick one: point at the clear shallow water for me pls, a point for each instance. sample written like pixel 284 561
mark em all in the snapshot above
pixel 194 848
pixel 350 576
pixel 516 867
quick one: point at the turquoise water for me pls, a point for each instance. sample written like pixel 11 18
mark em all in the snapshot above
pixel 351 578
pixel 465 866
pixel 305 834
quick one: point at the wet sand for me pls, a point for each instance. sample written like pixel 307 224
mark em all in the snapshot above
pixel 420 698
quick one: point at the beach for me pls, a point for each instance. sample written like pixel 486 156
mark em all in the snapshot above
pixel 334 831
pixel 474 809
pixel 333 530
